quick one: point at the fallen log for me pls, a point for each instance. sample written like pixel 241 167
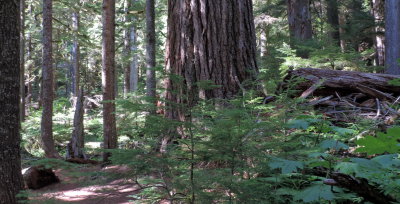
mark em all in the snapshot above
pixel 359 186
pixel 331 82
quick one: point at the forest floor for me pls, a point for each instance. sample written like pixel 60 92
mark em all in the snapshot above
pixel 76 187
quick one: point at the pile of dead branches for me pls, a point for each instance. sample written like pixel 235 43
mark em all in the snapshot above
pixel 347 96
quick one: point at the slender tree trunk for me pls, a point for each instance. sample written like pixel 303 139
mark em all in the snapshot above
pixel 355 6
pixel 55 63
pixel 131 70
pixel 134 77
pixel 392 35
pixel 150 49
pixel 116 81
pixel 134 72
pixel 342 21
pixel 29 69
pixel 10 161
pixel 299 18
pixel 77 143
pixel 264 33
pixel 127 53
pixel 90 84
pixel 108 76
pixel 333 20
pixel 379 16
pixel 22 61
pixel 47 83
pixel 67 85
pixel 217 43
pixel 30 64
pixel 75 55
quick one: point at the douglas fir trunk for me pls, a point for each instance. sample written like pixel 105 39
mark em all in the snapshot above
pixel 210 41
pixel 10 160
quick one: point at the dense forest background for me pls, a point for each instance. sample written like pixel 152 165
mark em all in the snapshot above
pixel 203 101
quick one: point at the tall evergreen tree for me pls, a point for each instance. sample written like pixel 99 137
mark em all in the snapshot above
pixel 10 160
pixel 47 82
pixel 108 76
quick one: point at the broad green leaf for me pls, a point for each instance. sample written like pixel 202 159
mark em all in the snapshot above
pixel 383 143
pixel 315 192
pixel 347 167
pixel 286 166
pixel 342 131
pixel 366 163
pixel 333 144
pixel 318 155
pixel 298 124
pixel 319 163
pixel 286 191
pixel 363 168
pixel 388 161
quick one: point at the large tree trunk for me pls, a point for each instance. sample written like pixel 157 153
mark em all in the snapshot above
pixel 75 55
pixel 378 8
pixel 10 160
pixel 210 41
pixel 47 83
pixel 299 18
pixel 392 35
pixel 333 20
pixel 108 77
pixel 150 49
pixel 22 62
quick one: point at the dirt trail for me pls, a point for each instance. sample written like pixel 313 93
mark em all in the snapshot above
pixel 88 189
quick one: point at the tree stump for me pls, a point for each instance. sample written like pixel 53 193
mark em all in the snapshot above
pixel 38 177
